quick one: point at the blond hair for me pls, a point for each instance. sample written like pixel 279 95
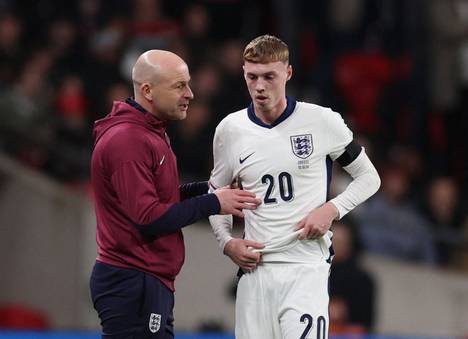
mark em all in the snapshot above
pixel 265 49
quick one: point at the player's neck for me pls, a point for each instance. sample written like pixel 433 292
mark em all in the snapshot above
pixel 269 116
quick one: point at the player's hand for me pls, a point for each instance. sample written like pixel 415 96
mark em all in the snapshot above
pixel 239 250
pixel 233 201
pixel 317 222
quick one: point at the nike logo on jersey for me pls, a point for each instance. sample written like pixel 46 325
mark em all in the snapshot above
pixel 162 160
pixel 242 160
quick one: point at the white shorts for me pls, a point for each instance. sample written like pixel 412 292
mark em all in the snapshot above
pixel 283 301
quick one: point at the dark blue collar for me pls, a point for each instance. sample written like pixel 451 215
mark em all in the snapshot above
pixel 136 105
pixel 291 105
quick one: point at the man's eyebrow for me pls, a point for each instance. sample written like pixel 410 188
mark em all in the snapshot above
pixel 180 82
pixel 262 74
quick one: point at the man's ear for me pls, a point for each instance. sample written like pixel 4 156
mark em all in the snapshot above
pixel 145 89
pixel 290 72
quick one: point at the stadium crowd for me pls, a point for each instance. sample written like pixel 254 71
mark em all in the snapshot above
pixel 396 70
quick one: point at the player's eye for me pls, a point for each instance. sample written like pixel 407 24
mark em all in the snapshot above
pixel 252 77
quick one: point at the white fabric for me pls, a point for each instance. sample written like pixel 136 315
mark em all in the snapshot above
pixel 272 300
pixel 247 152
pixel 222 228
pixel 366 182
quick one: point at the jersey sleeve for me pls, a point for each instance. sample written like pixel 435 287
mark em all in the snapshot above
pixel 222 173
pixel 339 135
pixel 366 182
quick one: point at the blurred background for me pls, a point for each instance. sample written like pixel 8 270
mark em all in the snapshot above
pixel 397 71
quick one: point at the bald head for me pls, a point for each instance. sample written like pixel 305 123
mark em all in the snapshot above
pixel 152 64
pixel 161 84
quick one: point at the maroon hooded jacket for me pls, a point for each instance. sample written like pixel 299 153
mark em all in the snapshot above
pixel 135 180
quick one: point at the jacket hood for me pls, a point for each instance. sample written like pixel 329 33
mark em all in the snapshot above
pixel 124 112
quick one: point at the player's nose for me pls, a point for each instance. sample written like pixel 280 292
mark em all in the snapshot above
pixel 259 86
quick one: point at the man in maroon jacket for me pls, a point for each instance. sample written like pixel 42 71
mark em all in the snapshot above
pixel 140 206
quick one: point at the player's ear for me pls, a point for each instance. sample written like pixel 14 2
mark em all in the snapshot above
pixel 290 71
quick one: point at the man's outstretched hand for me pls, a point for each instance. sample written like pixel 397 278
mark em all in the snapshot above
pixel 233 201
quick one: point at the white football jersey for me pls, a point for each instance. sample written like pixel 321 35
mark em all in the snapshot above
pixel 287 166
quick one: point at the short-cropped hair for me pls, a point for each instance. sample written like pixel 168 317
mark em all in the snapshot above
pixel 265 49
